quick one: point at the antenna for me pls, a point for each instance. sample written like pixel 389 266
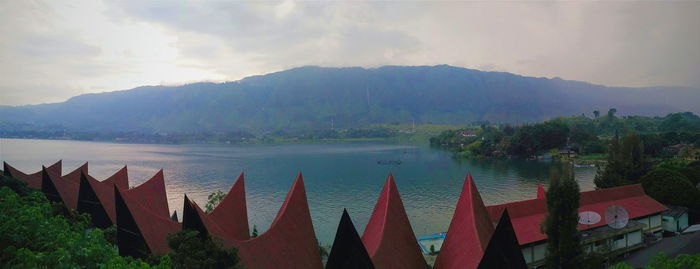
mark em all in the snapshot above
pixel 616 216
pixel 588 218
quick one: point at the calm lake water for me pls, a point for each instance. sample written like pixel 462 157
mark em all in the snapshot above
pixel 336 175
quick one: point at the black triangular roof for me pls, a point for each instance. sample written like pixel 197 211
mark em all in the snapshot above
pixel 503 250
pixel 348 251
pixel 89 203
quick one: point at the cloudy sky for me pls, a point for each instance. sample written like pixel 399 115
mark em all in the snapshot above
pixel 52 50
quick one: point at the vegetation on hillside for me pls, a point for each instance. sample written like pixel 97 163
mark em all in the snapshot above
pixel 580 134
pixel 316 98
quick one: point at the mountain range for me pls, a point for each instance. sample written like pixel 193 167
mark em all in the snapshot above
pixel 319 97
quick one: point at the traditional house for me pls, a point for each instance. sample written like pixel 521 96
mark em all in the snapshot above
pixel 644 218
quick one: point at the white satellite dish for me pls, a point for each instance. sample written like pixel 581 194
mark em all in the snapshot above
pixel 588 218
pixel 616 217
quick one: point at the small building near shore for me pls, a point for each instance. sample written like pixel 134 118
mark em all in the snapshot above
pixel 675 220
pixel 567 153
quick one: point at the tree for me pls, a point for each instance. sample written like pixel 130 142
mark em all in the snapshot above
pixel 626 163
pixel 193 251
pixel 34 235
pixel 671 187
pixel 213 200
pixel 561 225
pixel 596 114
pixel 611 112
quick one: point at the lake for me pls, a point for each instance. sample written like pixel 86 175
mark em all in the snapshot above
pixel 336 175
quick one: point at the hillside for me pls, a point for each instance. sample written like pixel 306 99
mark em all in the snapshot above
pixel 313 97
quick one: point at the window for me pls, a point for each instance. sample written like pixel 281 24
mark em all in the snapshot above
pixel 599 243
pixel 619 237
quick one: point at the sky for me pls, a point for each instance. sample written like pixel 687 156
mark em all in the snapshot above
pixel 53 50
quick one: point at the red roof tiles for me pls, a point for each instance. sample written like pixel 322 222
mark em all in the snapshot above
pixel 540 191
pixel 58 189
pixel 231 213
pixel 388 236
pixel 74 176
pixel 33 180
pixel 290 242
pixel 104 190
pixel 527 215
pixel 152 226
pixel 469 232
pixel 152 195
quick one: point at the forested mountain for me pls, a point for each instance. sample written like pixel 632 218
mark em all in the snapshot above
pixel 313 97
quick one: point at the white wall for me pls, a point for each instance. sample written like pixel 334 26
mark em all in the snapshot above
pixel 540 251
pixel 655 221
pixel 634 238
pixel 620 243
pixel 527 253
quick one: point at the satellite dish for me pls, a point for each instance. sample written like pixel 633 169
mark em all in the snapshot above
pixel 616 217
pixel 588 218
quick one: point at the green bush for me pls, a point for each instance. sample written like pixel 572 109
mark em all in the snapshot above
pixel 191 250
pixel 33 236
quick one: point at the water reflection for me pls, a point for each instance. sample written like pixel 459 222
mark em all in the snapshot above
pixel 337 175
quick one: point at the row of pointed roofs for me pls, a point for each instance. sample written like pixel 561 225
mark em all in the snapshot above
pixel 141 216
pixel 478 235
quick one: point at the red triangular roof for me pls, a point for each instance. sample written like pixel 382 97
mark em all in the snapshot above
pixel 33 180
pixel 540 191
pixel 231 214
pixel 152 226
pixel 469 232
pixel 388 236
pixel 527 215
pixel 152 194
pixel 74 176
pixel 105 193
pixel 290 242
pixel 67 190
pixel 120 179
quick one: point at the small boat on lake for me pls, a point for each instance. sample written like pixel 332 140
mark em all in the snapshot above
pixel 389 162
pixel 434 240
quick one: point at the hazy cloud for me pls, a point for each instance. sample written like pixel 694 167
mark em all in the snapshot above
pixel 51 50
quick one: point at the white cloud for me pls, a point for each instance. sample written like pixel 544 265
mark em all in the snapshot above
pixel 53 50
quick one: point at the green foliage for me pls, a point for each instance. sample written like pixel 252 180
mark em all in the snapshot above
pixel 18 186
pixel 191 250
pixel 33 236
pixel 581 134
pixel 626 163
pixel 671 187
pixel 213 200
pixel 661 261
pixel 563 244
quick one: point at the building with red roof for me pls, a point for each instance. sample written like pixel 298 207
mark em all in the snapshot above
pixel 33 180
pixel 540 191
pixel 290 242
pixel 388 236
pixel 140 231
pixel 97 197
pixel 58 190
pixel 469 231
pixel 527 215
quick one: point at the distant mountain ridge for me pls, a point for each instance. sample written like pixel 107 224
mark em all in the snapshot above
pixel 313 97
